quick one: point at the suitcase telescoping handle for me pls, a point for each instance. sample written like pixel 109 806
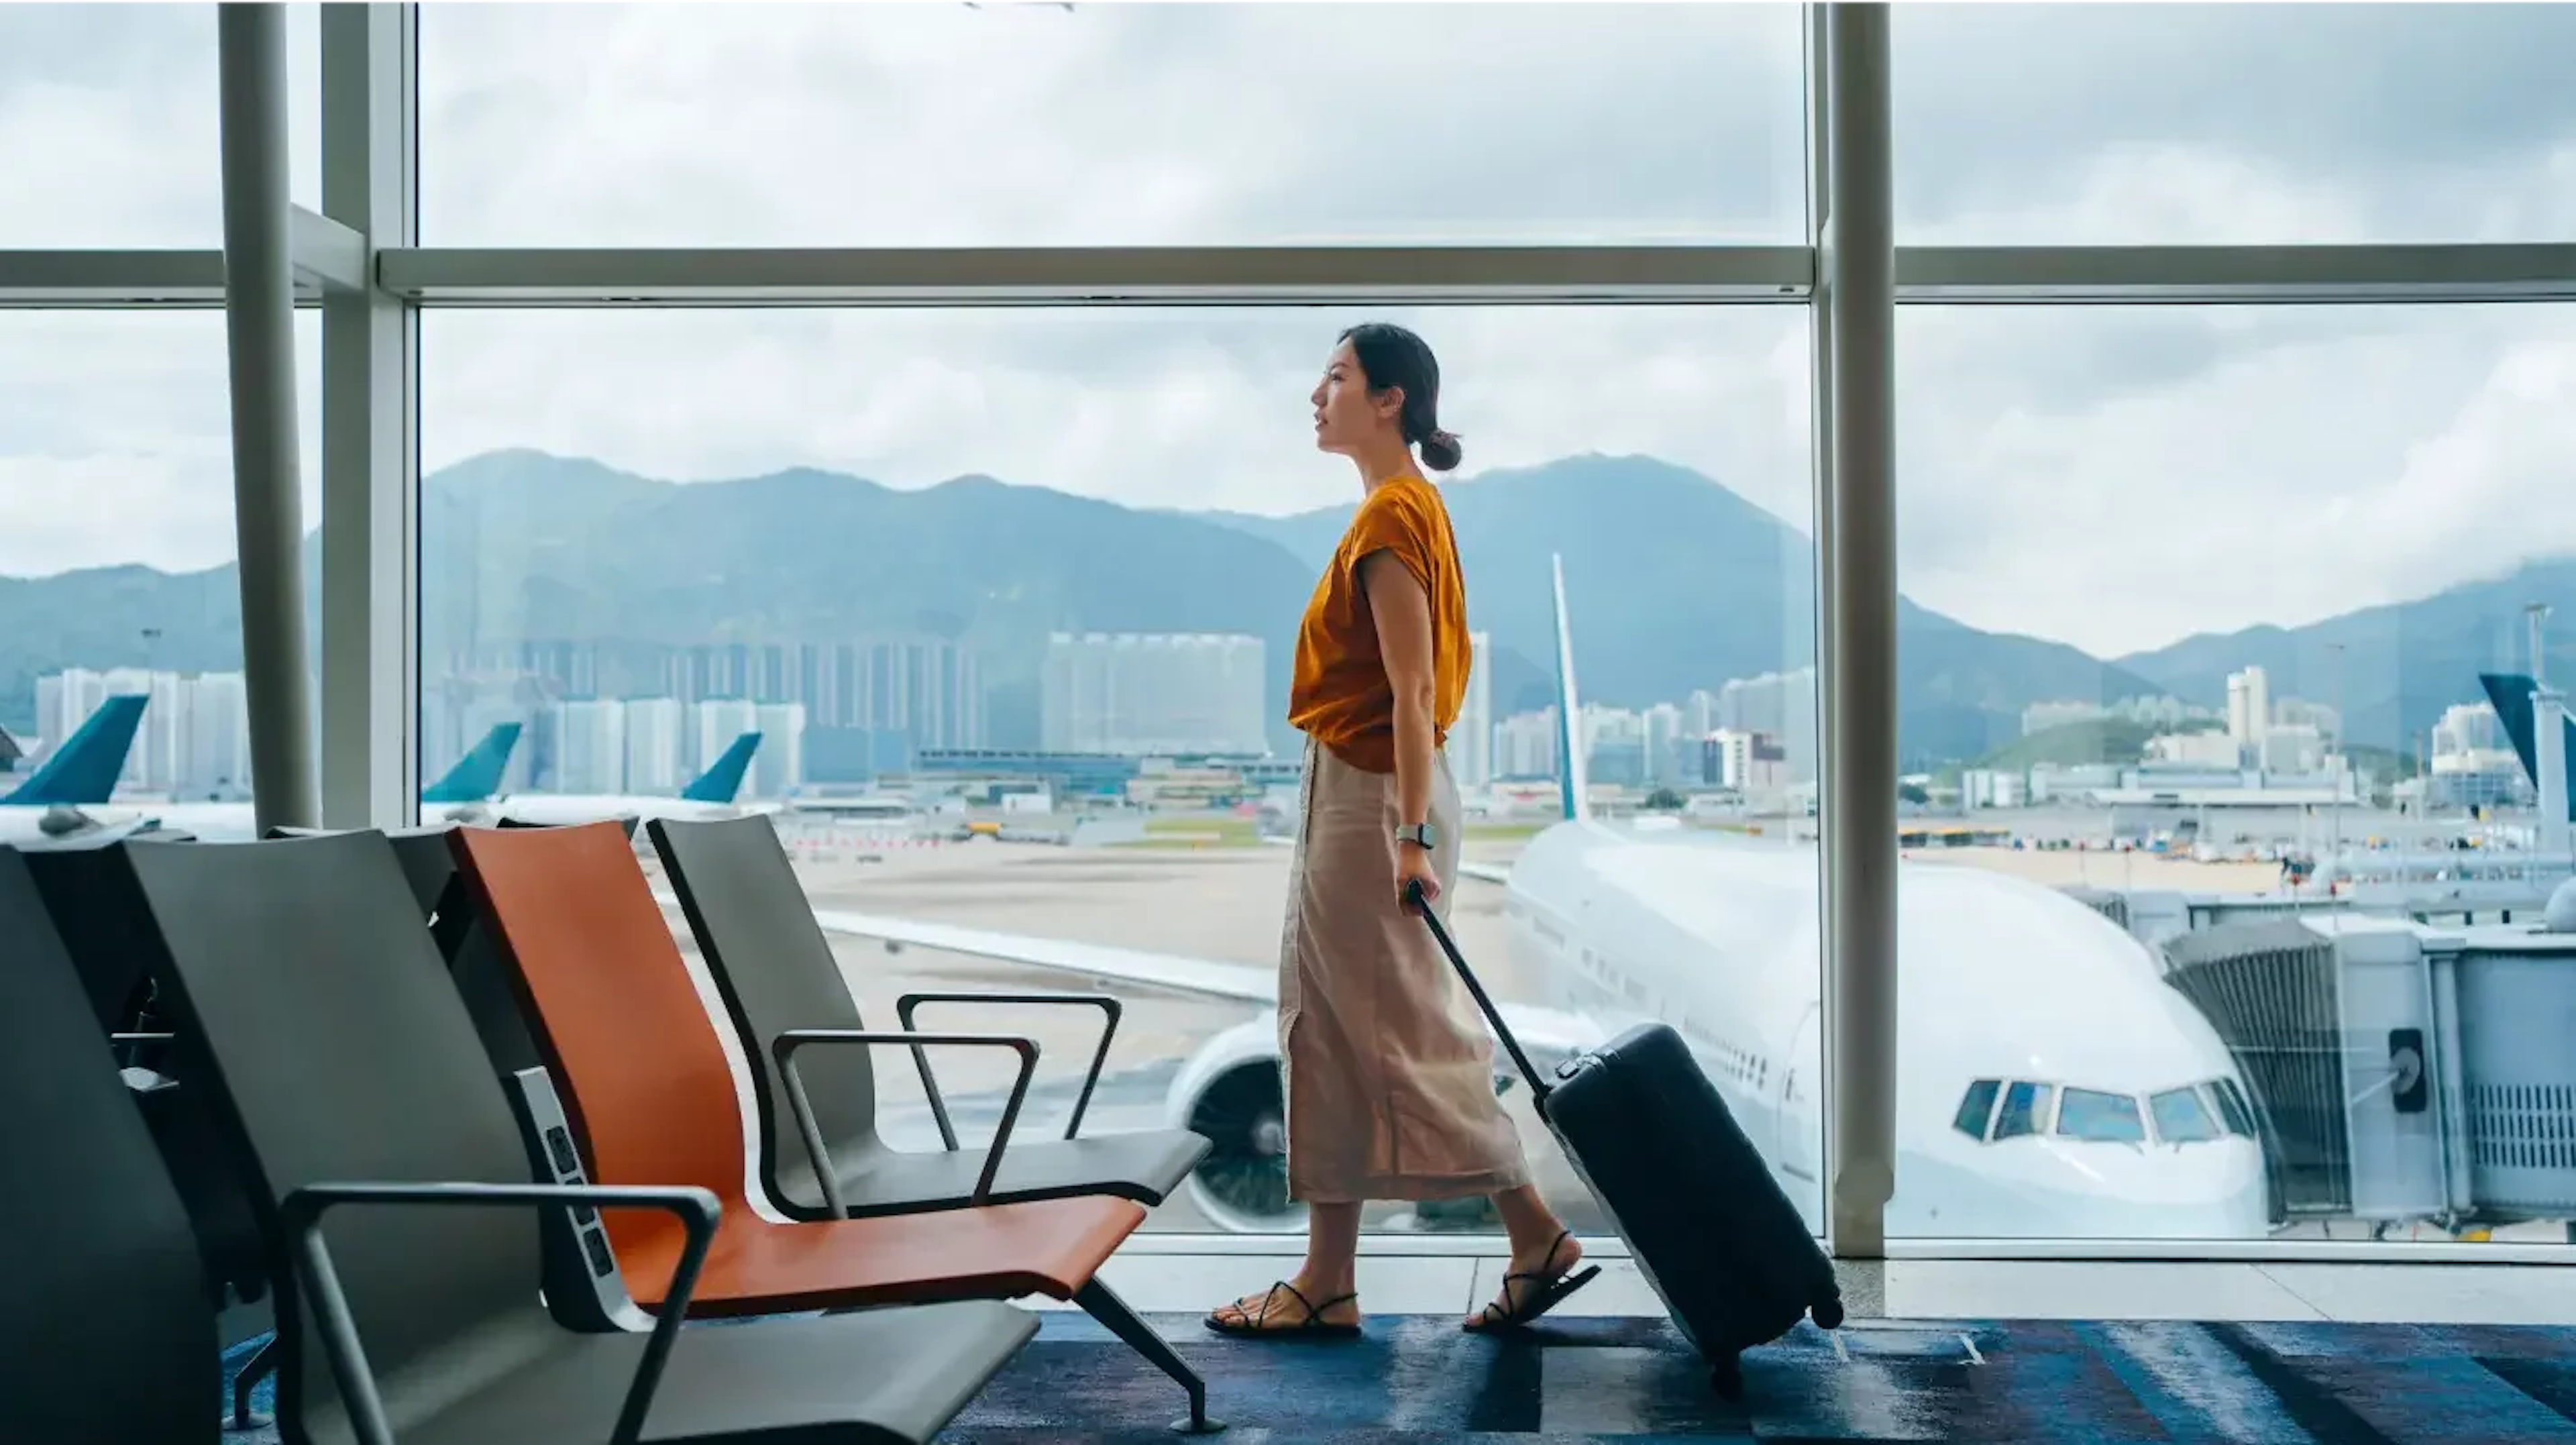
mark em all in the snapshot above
pixel 1539 1089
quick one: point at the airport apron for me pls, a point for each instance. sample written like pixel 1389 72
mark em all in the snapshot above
pixel 1387 1069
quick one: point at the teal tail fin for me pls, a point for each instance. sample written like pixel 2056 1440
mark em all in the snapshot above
pixel 723 778
pixel 477 775
pixel 2510 693
pixel 84 769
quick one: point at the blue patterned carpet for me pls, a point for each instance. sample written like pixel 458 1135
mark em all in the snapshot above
pixel 1418 1379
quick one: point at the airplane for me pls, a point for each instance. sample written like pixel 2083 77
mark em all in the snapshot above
pixel 77 776
pixel 710 795
pixel 475 777
pixel 2049 1084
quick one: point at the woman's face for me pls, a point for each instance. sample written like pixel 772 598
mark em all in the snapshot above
pixel 1347 418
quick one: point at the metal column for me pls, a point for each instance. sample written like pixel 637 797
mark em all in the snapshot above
pixel 1857 569
pixel 370 499
pixel 259 316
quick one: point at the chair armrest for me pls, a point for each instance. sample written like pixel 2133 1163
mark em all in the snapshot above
pixel 300 1219
pixel 784 1047
pixel 1108 1006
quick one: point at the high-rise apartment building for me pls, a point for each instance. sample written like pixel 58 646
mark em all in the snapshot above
pixel 656 745
pixel 1140 694
pixel 590 748
pixel 778 769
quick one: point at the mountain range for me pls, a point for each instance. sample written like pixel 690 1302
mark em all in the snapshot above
pixel 1674 582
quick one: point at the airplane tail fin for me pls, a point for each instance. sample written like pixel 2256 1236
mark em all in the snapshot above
pixel 723 778
pixel 1573 776
pixel 2510 693
pixel 477 775
pixel 84 769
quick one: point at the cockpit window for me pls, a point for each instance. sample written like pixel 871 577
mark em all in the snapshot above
pixel 2025 1110
pixel 2181 1118
pixel 1977 1108
pixel 2232 1109
pixel 2101 1118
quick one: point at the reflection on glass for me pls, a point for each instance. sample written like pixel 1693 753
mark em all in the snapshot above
pixel 2181 1117
pixel 1976 1108
pixel 2025 1110
pixel 2092 1115
pixel 1003 602
pixel 2224 749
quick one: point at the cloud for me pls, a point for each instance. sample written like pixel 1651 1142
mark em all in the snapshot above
pixel 2115 477
pixel 116 440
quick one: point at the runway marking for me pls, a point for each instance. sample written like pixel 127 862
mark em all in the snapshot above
pixel 1842 1352
pixel 1973 1357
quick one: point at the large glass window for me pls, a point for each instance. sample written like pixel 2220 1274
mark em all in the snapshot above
pixel 2137 124
pixel 109 130
pixel 988 581
pixel 116 566
pixel 2217 650
pixel 1030 124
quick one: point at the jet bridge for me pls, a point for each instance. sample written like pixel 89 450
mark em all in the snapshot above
pixel 2400 1070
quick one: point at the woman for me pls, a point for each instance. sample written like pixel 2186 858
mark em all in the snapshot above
pixel 1387 1067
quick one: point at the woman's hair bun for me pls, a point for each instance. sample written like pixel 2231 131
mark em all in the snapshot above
pixel 1441 452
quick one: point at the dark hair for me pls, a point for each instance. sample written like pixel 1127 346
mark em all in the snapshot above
pixel 1392 356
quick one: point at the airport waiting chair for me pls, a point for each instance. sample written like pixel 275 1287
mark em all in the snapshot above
pixel 73 898
pixel 774 968
pixel 482 978
pixel 645 1086
pixel 110 1332
pixel 427 864
pixel 339 1052
pixel 84 890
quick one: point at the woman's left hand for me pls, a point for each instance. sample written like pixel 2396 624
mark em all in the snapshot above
pixel 1413 865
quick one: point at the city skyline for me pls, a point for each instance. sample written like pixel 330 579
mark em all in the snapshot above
pixel 2502 567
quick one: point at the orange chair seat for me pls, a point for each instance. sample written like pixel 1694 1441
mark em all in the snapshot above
pixel 1004 1251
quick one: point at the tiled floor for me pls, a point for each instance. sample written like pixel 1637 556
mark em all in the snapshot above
pixel 1943 1289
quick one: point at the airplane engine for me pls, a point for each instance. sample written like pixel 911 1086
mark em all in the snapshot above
pixel 1230 1091
pixel 63 822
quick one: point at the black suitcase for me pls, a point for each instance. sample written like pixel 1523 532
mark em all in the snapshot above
pixel 1701 1215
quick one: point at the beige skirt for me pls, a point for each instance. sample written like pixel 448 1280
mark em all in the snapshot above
pixel 1388 1067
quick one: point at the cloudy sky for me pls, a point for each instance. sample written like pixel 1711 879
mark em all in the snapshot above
pixel 2116 478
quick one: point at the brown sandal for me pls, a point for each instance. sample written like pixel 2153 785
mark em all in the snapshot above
pixel 1313 1326
pixel 1516 1313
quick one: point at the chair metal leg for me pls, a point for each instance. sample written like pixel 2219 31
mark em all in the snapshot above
pixel 259 1366
pixel 1101 1304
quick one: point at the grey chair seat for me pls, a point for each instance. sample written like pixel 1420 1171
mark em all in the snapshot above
pixel 1143 1164
pixel 877 1376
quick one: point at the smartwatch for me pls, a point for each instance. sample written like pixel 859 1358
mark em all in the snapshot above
pixel 1420 835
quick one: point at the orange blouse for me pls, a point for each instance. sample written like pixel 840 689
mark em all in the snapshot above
pixel 1339 694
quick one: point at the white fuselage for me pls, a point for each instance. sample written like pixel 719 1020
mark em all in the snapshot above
pixel 212 822
pixel 557 809
pixel 36 822
pixel 1998 979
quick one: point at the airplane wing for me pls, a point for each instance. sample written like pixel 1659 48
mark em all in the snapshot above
pixel 1195 976
pixel 1548 1035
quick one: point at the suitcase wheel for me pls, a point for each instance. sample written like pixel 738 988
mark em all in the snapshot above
pixel 1726 1376
pixel 1827 1312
